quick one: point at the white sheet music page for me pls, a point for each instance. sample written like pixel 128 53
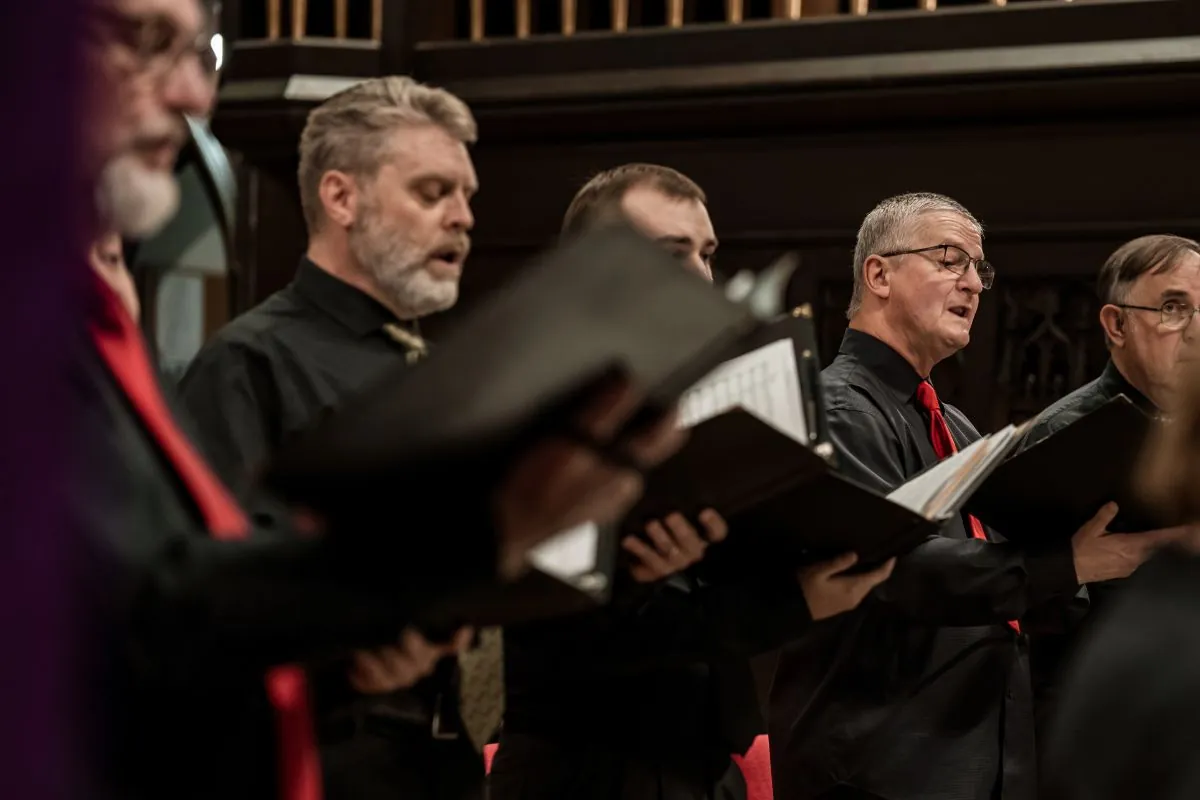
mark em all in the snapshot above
pixel 765 382
pixel 568 554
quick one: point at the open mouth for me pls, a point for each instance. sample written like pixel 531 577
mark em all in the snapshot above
pixel 451 256
pixel 961 311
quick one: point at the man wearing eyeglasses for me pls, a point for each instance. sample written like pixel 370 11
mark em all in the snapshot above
pixel 924 690
pixel 1150 289
pixel 196 621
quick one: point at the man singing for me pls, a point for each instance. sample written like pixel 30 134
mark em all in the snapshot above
pixel 923 692
pixel 648 699
pixel 195 619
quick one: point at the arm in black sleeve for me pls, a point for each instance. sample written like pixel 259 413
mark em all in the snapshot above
pixel 947 581
pixel 190 606
pixel 669 623
pixel 232 405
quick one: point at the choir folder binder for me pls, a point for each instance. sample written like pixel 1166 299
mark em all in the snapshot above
pixel 510 372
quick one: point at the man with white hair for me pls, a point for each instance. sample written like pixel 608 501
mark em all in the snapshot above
pixel 194 619
pixel 923 691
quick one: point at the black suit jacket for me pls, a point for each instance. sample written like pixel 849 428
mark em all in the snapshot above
pixel 182 628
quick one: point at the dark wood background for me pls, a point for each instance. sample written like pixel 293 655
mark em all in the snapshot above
pixel 1066 128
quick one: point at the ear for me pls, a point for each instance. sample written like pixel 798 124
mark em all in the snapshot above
pixel 877 277
pixel 1112 319
pixel 340 198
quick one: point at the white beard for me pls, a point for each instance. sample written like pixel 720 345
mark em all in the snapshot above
pixel 134 200
pixel 398 268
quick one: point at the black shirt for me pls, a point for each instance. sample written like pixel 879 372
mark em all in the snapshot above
pixel 270 373
pixel 265 377
pixel 181 627
pixel 923 691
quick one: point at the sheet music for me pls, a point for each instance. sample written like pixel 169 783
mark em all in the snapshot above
pixel 568 554
pixel 939 490
pixel 765 382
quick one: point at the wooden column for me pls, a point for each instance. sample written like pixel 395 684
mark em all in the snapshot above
pixel 734 11
pixel 524 18
pixel 787 9
pixel 620 15
pixel 274 19
pixel 299 18
pixel 477 20
pixel 570 14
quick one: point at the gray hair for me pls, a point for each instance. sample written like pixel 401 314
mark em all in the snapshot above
pixel 349 131
pixel 889 224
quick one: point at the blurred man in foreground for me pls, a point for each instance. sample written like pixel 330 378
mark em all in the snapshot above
pixel 201 619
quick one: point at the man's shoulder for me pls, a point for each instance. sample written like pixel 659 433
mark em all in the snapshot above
pixel 255 333
pixel 1066 410
pixel 848 386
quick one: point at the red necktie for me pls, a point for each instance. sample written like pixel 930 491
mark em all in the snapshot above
pixel 943 445
pixel 120 343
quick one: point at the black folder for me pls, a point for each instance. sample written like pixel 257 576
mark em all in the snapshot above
pixel 508 373
pixel 1056 485
pixel 786 506
pixel 785 503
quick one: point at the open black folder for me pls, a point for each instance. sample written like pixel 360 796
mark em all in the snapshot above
pixel 1057 484
pixel 759 454
pixel 512 370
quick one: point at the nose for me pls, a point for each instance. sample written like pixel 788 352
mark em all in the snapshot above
pixel 188 89
pixel 458 213
pixel 695 262
pixel 970 281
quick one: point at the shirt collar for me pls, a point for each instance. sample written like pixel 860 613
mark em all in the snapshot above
pixel 883 361
pixel 350 307
pixel 1113 383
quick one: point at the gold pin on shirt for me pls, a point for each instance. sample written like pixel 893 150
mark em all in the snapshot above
pixel 414 345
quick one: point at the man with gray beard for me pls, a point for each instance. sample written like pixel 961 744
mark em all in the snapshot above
pixel 385 183
pixel 197 622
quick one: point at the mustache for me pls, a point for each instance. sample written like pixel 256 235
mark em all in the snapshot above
pixel 170 132
pixel 459 244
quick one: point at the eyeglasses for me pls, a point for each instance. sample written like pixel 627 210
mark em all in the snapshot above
pixel 155 41
pixel 1176 315
pixel 953 258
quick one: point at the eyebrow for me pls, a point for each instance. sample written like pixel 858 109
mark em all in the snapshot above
pixel 686 240
pixel 1174 294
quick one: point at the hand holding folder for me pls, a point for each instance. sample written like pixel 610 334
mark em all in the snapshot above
pixel 498 403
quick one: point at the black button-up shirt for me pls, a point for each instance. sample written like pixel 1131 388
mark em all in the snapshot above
pixel 268 376
pixel 923 691
pixel 272 372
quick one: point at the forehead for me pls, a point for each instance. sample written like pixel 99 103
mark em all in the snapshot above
pixel 429 148
pixel 185 14
pixel 947 227
pixel 661 215
pixel 1182 277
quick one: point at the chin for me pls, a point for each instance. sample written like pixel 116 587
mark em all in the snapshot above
pixel 135 200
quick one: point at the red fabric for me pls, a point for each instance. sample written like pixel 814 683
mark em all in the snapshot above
pixel 756 769
pixel 120 343
pixel 943 445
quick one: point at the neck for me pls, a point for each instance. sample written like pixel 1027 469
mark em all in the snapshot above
pixel 871 323
pixel 1157 393
pixel 335 258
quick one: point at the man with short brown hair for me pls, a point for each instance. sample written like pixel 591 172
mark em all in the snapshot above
pixel 647 700
pixel 663 202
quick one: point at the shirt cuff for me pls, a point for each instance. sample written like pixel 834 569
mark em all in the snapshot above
pixel 1051 573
